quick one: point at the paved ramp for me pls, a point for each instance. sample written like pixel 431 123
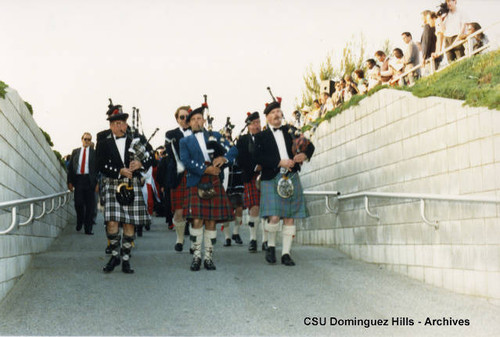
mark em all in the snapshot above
pixel 64 292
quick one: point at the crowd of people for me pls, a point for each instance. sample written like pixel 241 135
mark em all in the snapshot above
pixel 193 191
pixel 441 29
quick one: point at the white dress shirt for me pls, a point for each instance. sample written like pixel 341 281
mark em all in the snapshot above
pixel 86 161
pixel 203 146
pixel 280 141
pixel 120 145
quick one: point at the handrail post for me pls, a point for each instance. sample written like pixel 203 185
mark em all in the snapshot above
pixel 14 221
pixel 422 214
pixel 333 210
pixel 367 209
pixel 32 213
pixel 43 211
pixel 52 208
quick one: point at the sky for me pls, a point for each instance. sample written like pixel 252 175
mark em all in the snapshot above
pixel 66 58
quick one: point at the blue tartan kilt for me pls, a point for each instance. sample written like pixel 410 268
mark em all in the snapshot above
pixel 134 214
pixel 271 204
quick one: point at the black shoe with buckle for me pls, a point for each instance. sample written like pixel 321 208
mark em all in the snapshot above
pixel 178 247
pixel 264 246
pixel 271 255
pixel 195 265
pixel 227 243
pixel 237 239
pixel 191 251
pixel 108 250
pixel 287 260
pixel 112 263
pixel 252 247
pixel 209 265
pixel 126 267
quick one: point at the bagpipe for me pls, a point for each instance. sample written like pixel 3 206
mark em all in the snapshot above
pixel 139 150
pixel 235 185
pixel 215 149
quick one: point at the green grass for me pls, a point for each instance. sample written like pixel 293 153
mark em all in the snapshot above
pixel 475 81
pixel 3 86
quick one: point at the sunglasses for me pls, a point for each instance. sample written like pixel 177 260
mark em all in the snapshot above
pixel 182 117
pixel 87 139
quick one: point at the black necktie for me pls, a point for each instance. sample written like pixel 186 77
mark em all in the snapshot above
pixel 120 137
pixel 276 129
pixel 185 129
pixel 196 131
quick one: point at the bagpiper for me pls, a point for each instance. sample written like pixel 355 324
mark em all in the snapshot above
pixel 281 194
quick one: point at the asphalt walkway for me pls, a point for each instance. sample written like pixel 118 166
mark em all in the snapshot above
pixel 65 292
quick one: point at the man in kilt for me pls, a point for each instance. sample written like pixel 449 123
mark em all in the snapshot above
pixel 203 163
pixel 116 162
pixel 176 173
pixel 273 151
pixel 251 170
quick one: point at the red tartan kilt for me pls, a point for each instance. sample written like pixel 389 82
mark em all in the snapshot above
pixel 179 195
pixel 252 194
pixel 218 208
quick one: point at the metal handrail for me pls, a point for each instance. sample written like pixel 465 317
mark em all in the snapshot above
pixel 13 206
pixel 453 46
pixel 413 196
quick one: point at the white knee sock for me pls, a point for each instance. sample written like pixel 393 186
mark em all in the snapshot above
pixel 179 230
pixel 210 239
pixel 288 234
pixel 237 225
pixel 264 231
pixel 272 229
pixel 253 222
pixel 196 239
pixel 227 230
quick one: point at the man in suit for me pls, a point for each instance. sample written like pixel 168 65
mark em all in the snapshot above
pixel 82 177
pixel 273 151
pixel 203 159
pixel 121 157
pixel 176 173
pixel 251 170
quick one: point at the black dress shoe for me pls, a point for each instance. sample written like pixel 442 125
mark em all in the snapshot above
pixel 195 265
pixel 108 250
pixel 112 263
pixel 271 255
pixel 178 247
pixel 139 231
pixel 209 265
pixel 227 243
pixel 79 227
pixel 126 267
pixel 252 248
pixel 191 251
pixel 264 246
pixel 237 239
pixel 148 227
pixel 287 260
pixel 89 233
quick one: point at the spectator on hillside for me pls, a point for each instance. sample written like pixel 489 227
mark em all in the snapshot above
pixel 351 88
pixel 478 40
pixel 454 27
pixel 385 71
pixel 362 83
pixel 338 97
pixel 411 58
pixel 396 66
pixel 428 39
pixel 307 115
pixel 440 17
pixel 316 109
pixel 372 73
pixel 326 104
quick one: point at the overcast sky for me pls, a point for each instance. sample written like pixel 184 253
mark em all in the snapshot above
pixel 68 57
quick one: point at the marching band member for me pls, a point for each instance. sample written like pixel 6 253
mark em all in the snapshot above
pixel 251 170
pixel 116 161
pixel 273 151
pixel 176 173
pixel 207 200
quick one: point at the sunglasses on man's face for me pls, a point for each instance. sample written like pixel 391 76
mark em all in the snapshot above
pixel 182 117
pixel 87 139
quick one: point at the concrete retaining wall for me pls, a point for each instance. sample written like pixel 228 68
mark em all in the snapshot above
pixel 28 168
pixel 395 142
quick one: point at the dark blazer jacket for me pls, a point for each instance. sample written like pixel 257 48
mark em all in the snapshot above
pixel 246 160
pixel 109 161
pixel 267 153
pixel 73 166
pixel 172 138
